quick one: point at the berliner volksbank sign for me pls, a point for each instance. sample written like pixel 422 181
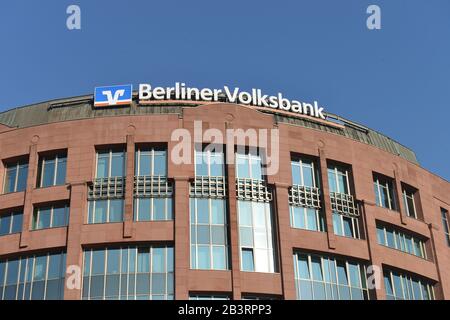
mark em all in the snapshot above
pixel 116 95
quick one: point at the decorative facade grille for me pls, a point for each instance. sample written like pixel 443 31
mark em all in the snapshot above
pixel 252 190
pixel 344 204
pixel 107 188
pixel 208 187
pixel 304 196
pixel 152 187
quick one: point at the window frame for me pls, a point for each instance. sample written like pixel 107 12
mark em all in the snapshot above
pixel 403 238
pixel 407 196
pixel 108 211
pixel 248 157
pixel 38 209
pixel 299 162
pixel 42 160
pixel 446 224
pixel 17 165
pixel 270 250
pixel 226 246
pixel 153 150
pixel 208 154
pixel 336 174
pixel 110 152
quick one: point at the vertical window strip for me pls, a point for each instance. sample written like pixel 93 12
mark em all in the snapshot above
pixel 263 255
pixel 195 245
pixel 445 223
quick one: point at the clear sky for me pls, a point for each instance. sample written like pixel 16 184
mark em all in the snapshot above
pixel 394 80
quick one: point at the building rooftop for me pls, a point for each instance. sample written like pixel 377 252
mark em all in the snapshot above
pixel 82 107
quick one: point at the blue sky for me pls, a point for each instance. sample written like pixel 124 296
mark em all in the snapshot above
pixel 394 80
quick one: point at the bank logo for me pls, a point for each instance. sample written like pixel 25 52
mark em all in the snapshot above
pixel 113 95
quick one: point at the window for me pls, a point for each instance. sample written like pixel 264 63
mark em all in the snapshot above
pixel 384 191
pixel 255 237
pixel 345 226
pixel 51 216
pixel 16 177
pixel 338 179
pixel 209 163
pixel 400 286
pixel 110 163
pixel 409 195
pixel 305 174
pixel 34 277
pixel 151 161
pixel 395 239
pixel 339 183
pixel 209 238
pixel 249 166
pixel 11 222
pixel 444 215
pixel 326 278
pixel 153 209
pixel 106 211
pixel 306 218
pixel 128 273
pixel 52 170
pixel 209 297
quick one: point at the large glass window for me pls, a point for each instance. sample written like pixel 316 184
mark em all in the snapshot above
pixel 445 224
pixel 409 194
pixel 16 177
pixel 256 236
pixel 209 163
pixel 52 170
pixel 339 183
pixel 51 216
pixel 153 209
pixel 384 191
pixel 305 174
pixel 249 166
pixel 326 278
pixel 110 163
pixel 209 238
pixel 151 161
pixel 128 273
pixel 33 277
pixel 395 239
pixel 338 179
pixel 105 211
pixel 401 286
pixel 345 226
pixel 11 222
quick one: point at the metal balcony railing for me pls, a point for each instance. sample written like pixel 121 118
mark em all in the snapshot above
pixel 152 187
pixel 208 187
pixel 107 188
pixel 344 204
pixel 304 196
pixel 252 190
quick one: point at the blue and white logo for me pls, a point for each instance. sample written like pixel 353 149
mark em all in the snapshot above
pixel 113 95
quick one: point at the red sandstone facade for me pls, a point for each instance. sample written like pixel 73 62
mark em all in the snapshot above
pixel 81 137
